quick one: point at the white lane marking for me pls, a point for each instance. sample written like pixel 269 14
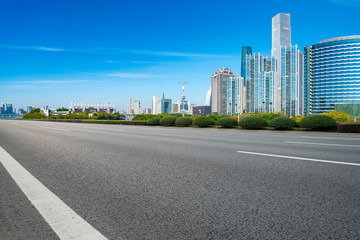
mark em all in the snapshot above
pixel 303 159
pixel 333 138
pixel 59 129
pixel 66 223
pixel 323 144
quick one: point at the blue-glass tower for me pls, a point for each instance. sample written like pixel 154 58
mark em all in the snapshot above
pixel 332 74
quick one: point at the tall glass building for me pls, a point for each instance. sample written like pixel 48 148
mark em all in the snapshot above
pixel 235 95
pixel 260 77
pixel 245 51
pixel 332 74
pixel 289 67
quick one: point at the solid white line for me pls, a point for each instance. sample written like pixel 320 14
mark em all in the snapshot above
pixel 61 218
pixel 334 138
pixel 59 129
pixel 300 158
pixel 323 144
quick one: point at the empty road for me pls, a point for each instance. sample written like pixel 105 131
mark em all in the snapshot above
pixel 142 182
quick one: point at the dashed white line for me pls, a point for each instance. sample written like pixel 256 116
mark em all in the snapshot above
pixel 66 223
pixel 300 158
pixel 323 144
pixel 59 129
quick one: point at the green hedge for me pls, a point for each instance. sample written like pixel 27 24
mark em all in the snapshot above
pixel 183 121
pixel 253 122
pixel 227 122
pixel 282 123
pixel 318 122
pixel 349 127
pixel 203 121
pixel 154 121
pixel 168 121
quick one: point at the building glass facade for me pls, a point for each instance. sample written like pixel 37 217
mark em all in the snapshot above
pixel 332 69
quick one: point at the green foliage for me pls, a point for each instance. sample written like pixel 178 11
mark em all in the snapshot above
pixel 168 121
pixel 253 122
pixel 183 121
pixel 34 115
pixel 203 121
pixel 267 116
pixel 216 116
pixel 227 122
pixel 282 123
pixel 318 122
pixel 62 109
pixel 139 117
pixel 338 116
pixel 36 110
pixel 154 121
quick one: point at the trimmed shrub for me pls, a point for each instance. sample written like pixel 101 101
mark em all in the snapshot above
pixel 227 122
pixel 253 122
pixel 154 121
pixel 203 121
pixel 349 127
pixel 282 123
pixel 338 116
pixel 168 121
pixel 183 121
pixel 318 122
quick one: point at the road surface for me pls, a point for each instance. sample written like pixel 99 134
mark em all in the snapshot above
pixel 142 182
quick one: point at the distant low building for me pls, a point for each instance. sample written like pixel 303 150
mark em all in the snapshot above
pixel 201 110
pixel 88 107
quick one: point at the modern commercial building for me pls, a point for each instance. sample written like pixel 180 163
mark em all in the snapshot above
pixel 90 107
pixel 236 95
pixel 201 110
pixel 166 105
pixel 288 61
pixel 353 109
pixel 246 50
pixel 332 69
pixel 30 108
pixel 219 90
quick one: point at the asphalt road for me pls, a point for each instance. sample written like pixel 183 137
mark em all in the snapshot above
pixel 141 182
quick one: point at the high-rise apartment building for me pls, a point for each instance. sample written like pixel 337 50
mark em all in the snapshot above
pixel 136 107
pixel 260 77
pixel 236 95
pixel 219 90
pixel 332 69
pixel 288 74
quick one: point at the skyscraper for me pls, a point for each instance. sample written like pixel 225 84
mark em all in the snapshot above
pixel 219 90
pixel 136 107
pixel 332 74
pixel 245 51
pixel 130 107
pixel 166 105
pixel 287 97
pixel 156 105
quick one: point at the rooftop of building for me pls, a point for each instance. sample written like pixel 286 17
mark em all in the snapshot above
pixel 339 39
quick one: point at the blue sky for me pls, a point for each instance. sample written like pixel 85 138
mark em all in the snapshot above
pixel 55 52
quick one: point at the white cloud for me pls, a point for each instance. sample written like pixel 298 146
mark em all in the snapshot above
pixel 32 48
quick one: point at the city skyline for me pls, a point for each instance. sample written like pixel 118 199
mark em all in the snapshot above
pixel 54 57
